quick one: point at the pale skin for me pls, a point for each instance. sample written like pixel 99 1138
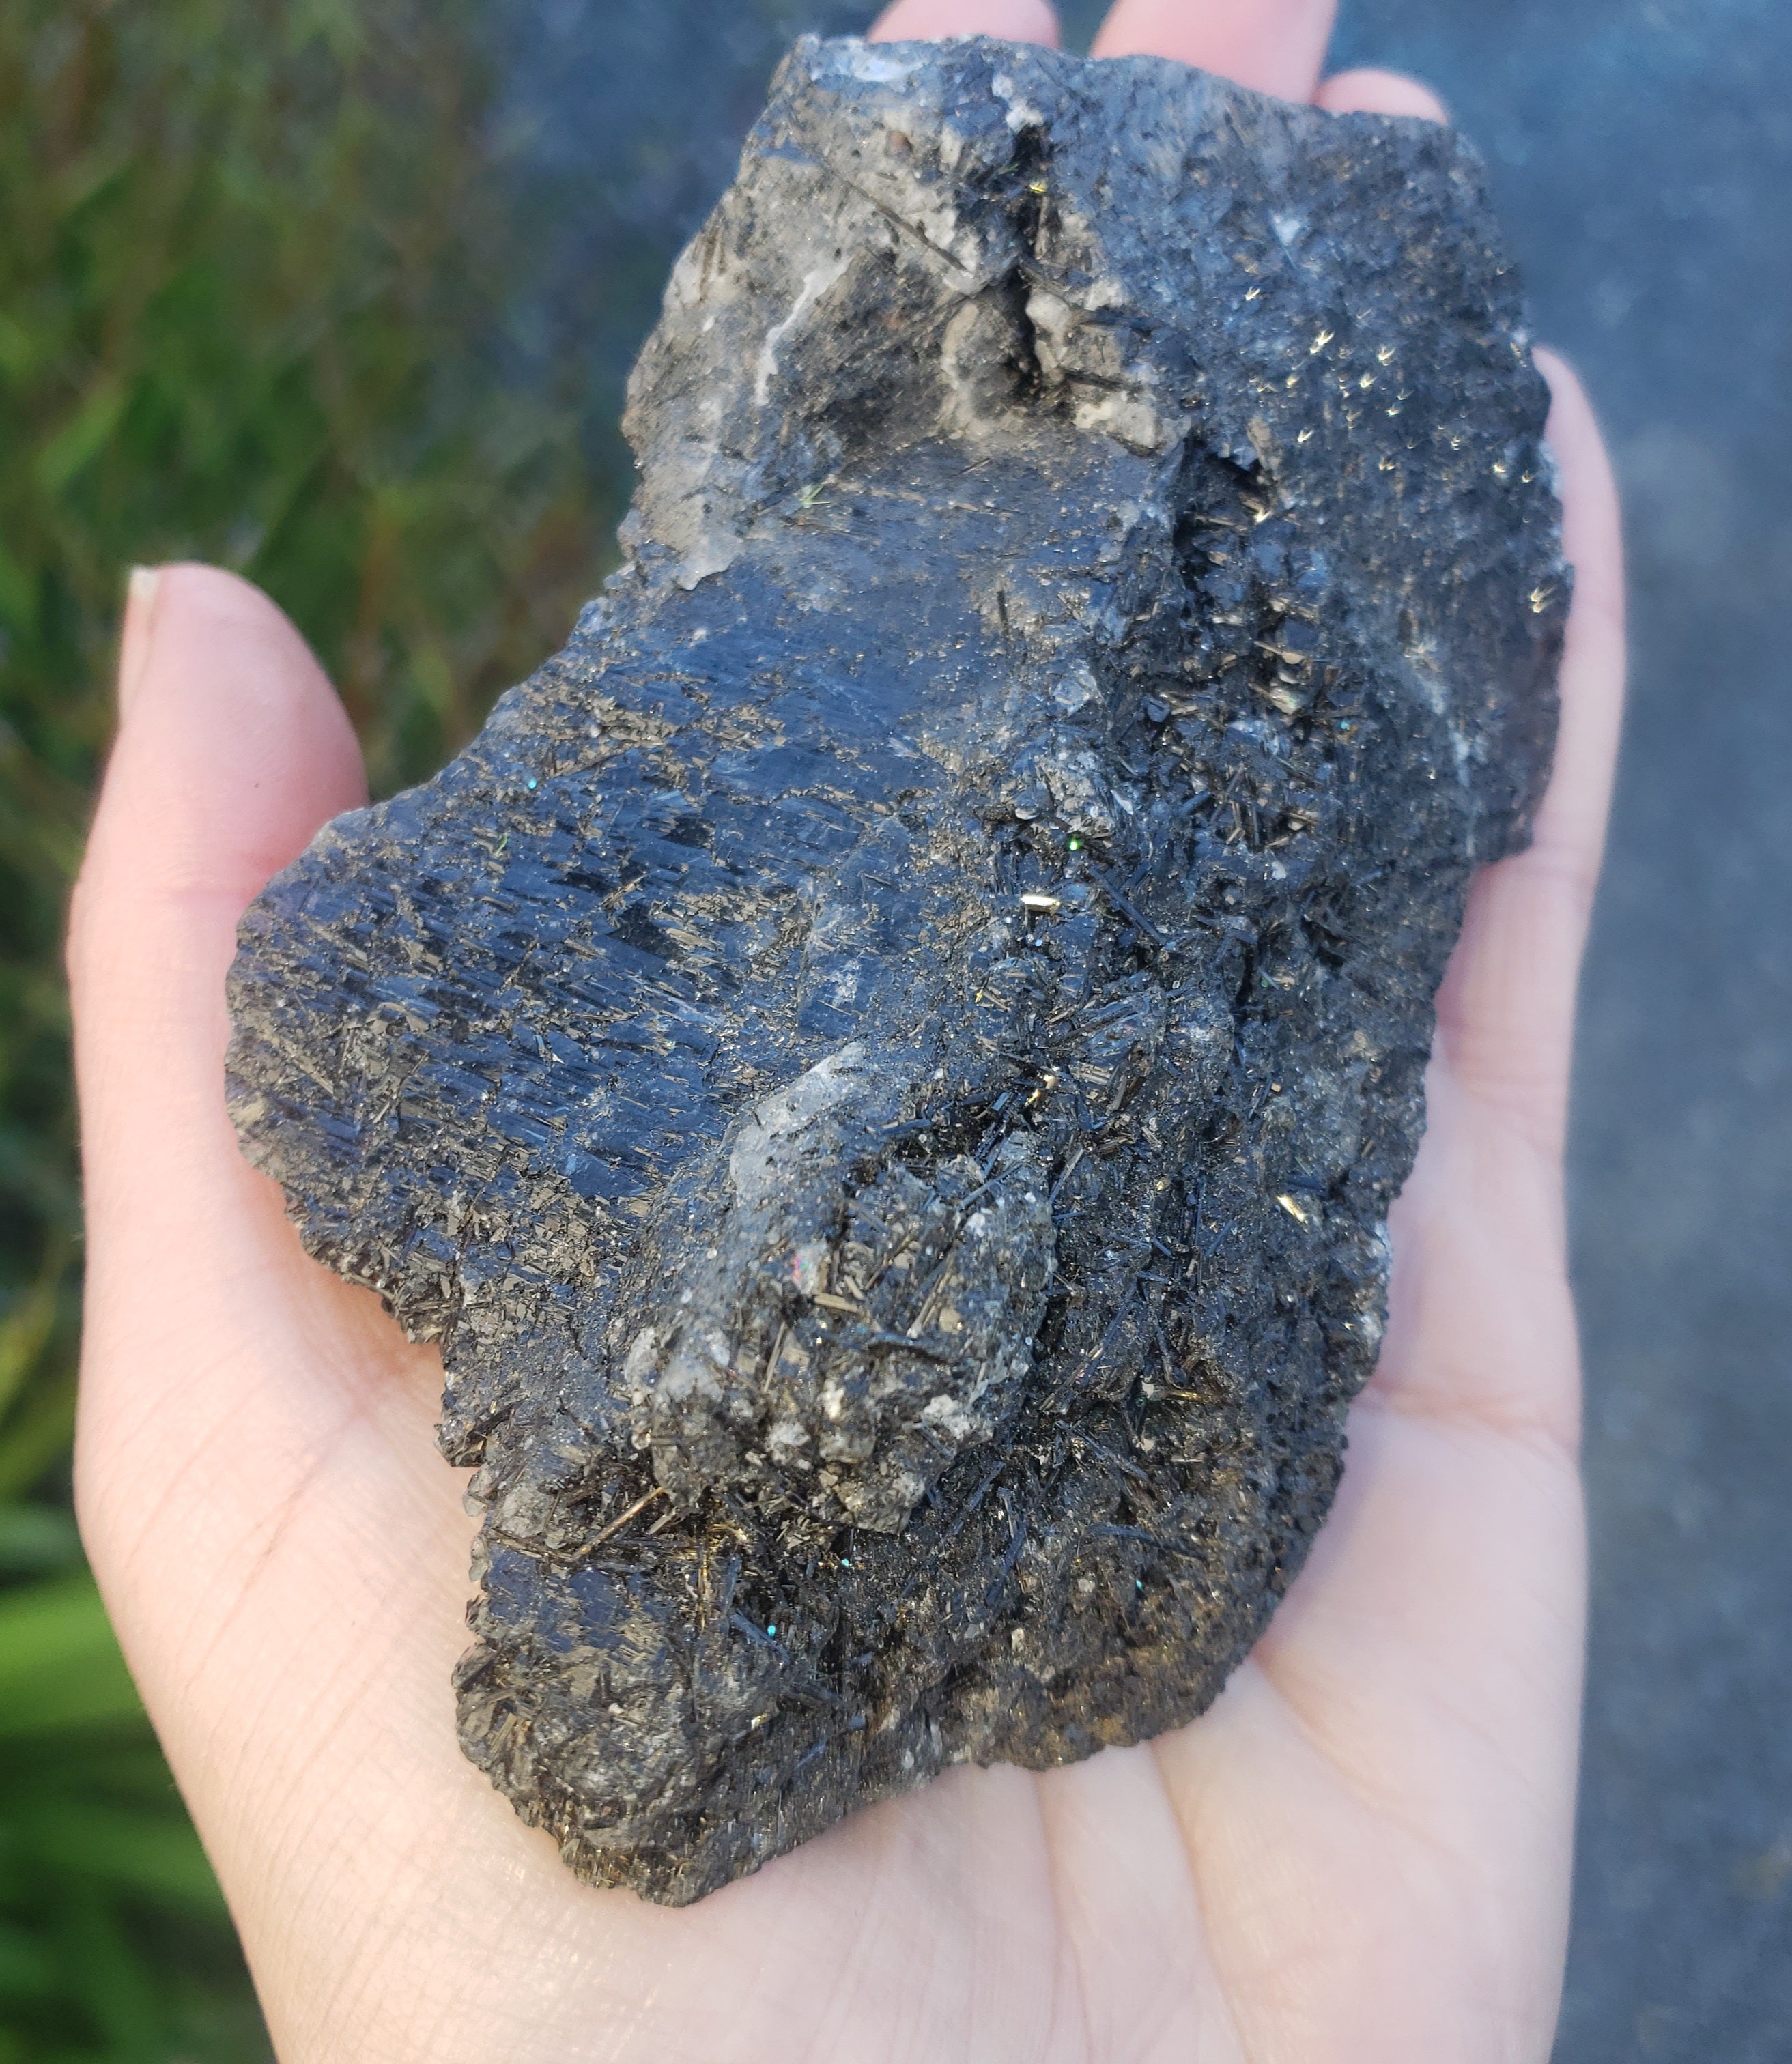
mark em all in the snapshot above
pixel 1361 1853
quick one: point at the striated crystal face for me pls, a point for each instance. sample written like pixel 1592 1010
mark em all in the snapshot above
pixel 885 1067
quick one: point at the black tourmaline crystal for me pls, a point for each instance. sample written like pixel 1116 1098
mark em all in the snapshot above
pixel 885 1067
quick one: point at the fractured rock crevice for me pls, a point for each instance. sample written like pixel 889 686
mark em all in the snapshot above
pixel 885 1067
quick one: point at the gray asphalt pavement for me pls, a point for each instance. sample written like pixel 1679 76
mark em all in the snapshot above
pixel 1641 151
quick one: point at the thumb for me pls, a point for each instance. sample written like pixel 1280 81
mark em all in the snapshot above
pixel 278 1545
pixel 232 749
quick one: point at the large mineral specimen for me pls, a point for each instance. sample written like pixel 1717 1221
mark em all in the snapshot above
pixel 885 1067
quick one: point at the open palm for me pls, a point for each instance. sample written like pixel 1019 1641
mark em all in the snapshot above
pixel 1362 1852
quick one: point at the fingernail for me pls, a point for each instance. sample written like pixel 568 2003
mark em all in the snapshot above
pixel 135 639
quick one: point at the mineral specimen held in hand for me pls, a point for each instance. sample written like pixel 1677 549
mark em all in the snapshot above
pixel 885 1067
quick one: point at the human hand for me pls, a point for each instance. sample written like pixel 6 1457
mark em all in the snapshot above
pixel 1363 1850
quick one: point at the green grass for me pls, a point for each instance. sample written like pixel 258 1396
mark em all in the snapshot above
pixel 254 271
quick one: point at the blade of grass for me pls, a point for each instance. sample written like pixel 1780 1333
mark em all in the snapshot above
pixel 36 1538
pixel 59 1663
pixel 157 1855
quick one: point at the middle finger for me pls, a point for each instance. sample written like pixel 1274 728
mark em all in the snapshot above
pixel 1274 46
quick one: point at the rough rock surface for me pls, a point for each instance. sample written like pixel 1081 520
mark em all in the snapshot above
pixel 885 1066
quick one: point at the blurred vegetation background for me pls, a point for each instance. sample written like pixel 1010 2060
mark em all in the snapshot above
pixel 260 268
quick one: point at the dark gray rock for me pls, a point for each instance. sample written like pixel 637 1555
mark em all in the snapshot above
pixel 885 1066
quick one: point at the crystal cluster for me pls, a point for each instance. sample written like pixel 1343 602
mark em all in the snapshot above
pixel 885 1066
